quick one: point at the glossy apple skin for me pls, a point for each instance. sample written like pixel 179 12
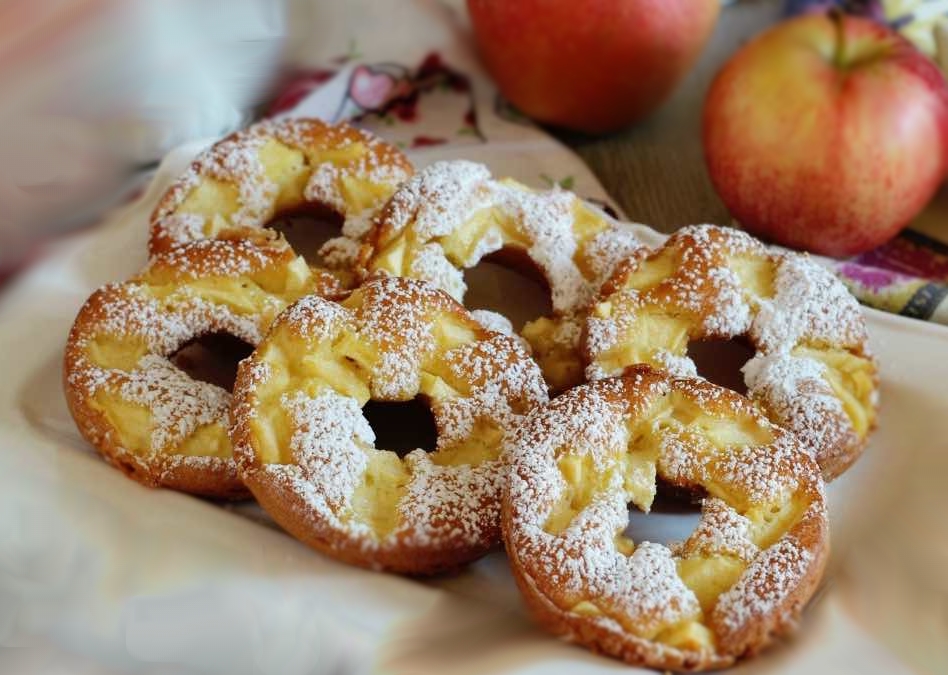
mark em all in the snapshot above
pixel 590 65
pixel 834 159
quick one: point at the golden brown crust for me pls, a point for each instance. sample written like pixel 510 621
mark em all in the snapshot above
pixel 740 580
pixel 607 640
pixel 307 453
pixel 140 411
pixel 244 181
pixel 812 370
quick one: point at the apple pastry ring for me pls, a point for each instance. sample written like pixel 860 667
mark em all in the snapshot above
pixel 812 371
pixel 274 167
pixel 308 454
pixel 453 214
pixel 145 415
pixel 741 578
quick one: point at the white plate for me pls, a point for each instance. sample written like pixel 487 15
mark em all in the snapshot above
pixel 98 574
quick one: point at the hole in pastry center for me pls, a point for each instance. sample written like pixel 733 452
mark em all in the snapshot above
pixel 402 426
pixel 674 516
pixel 213 358
pixel 307 230
pixel 720 361
pixel 506 284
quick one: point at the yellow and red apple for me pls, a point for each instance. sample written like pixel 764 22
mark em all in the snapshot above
pixel 827 133
pixel 590 65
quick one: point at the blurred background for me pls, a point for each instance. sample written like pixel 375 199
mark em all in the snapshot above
pixel 94 93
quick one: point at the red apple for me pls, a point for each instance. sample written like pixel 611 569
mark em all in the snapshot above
pixel 590 65
pixel 827 133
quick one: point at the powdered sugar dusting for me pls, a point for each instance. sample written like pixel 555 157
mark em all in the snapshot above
pixel 444 506
pixel 732 312
pixel 493 321
pixel 761 474
pixel 330 443
pixel 706 296
pixel 642 591
pixel 499 323
pixel 764 586
pixel 181 227
pixel 505 383
pixel 607 249
pixel 809 305
pixel 701 291
pixel 589 419
pixel 547 220
pixel 127 310
pixel 568 330
pixel 437 200
pixel 674 364
pixel 447 506
pixel 173 301
pixel 179 405
pixel 316 318
pixel 216 259
pixel 340 252
pixel 237 161
pixel 795 392
pixel 582 571
pixel 489 243
pixel 396 317
pixel 764 474
pixel 430 264
pixel 440 201
pixel 721 531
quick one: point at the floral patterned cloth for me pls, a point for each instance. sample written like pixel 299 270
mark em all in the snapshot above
pixel 908 276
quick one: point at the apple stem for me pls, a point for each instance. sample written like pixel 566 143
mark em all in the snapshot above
pixel 839 55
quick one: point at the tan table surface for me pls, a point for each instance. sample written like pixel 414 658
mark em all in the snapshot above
pixel 655 170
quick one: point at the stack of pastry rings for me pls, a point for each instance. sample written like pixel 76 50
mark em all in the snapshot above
pixel 215 269
pixel 452 215
pixel 551 479
pixel 616 305
pixel 811 371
